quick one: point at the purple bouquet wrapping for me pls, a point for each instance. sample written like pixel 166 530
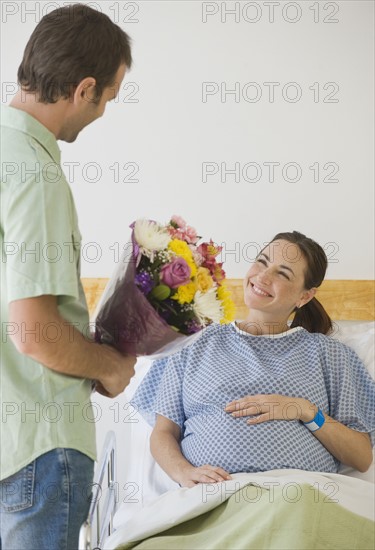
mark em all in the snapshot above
pixel 165 293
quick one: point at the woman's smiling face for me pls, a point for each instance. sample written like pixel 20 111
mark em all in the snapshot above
pixel 275 283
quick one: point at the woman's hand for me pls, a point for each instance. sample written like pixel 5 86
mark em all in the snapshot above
pixel 165 448
pixel 349 446
pixel 190 475
pixel 266 407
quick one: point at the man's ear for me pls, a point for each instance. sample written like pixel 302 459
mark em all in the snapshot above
pixel 306 297
pixel 85 91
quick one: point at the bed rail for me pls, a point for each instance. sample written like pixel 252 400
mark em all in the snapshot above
pixel 99 523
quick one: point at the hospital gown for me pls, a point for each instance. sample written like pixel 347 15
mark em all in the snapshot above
pixel 192 387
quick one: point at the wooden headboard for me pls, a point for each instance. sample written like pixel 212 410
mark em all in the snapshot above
pixel 342 299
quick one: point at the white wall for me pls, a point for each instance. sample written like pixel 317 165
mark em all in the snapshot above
pixel 164 128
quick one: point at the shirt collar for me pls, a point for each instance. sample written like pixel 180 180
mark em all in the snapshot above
pixel 23 122
pixel 280 335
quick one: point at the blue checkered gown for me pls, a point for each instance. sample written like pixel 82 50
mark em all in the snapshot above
pixel 192 387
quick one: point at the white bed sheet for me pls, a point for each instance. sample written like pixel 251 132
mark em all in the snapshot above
pixel 353 495
pixel 151 481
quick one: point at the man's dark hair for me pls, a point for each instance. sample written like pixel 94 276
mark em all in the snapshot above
pixel 68 45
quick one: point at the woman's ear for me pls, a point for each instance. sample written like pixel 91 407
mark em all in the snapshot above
pixel 306 297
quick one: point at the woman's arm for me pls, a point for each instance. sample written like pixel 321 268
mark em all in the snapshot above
pixel 346 445
pixel 165 448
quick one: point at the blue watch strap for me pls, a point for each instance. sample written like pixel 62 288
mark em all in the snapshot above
pixel 316 423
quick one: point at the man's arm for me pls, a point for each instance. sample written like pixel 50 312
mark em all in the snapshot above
pixel 165 448
pixel 71 353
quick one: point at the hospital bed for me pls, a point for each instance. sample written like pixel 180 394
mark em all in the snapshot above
pixel 108 525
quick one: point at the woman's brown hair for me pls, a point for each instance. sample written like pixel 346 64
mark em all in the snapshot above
pixel 68 45
pixel 312 316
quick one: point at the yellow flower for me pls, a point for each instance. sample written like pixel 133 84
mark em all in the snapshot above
pixel 229 308
pixel 185 293
pixel 203 279
pixel 181 249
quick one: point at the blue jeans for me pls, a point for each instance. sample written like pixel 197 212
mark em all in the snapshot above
pixel 43 505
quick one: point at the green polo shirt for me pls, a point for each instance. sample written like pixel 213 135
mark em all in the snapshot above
pixel 40 254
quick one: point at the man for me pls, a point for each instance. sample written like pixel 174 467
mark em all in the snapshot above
pixel 73 65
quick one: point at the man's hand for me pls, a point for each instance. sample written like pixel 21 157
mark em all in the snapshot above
pixel 71 353
pixel 118 374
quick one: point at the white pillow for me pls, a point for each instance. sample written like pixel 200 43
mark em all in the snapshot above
pixel 360 336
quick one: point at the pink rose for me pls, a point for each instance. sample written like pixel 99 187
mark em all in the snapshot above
pixel 176 273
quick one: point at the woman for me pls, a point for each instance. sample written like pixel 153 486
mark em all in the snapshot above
pixel 263 394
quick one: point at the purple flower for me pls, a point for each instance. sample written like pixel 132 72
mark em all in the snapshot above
pixel 144 281
pixel 193 326
pixel 176 273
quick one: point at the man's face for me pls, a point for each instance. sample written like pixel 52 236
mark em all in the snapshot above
pixel 87 111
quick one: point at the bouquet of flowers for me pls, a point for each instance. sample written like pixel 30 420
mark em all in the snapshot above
pixel 168 290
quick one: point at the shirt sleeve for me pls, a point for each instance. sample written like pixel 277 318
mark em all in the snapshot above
pixel 144 399
pixel 169 402
pixel 41 239
pixel 351 390
pixel 161 391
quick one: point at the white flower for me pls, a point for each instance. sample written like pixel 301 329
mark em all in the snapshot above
pixel 151 237
pixel 207 306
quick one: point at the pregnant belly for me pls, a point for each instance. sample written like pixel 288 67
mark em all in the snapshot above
pixel 230 443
